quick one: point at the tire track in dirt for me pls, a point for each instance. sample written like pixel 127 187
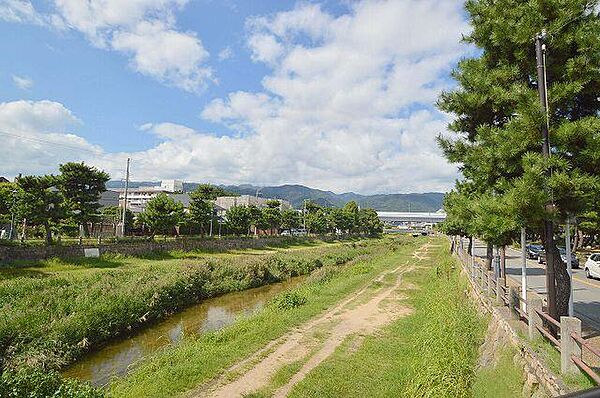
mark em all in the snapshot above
pixel 350 317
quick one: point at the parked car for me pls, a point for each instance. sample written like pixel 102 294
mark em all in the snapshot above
pixel 563 257
pixel 533 251
pixel 592 266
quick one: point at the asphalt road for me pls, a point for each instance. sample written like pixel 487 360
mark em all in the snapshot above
pixel 586 292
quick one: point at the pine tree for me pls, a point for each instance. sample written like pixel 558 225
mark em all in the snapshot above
pixel 499 119
pixel 81 186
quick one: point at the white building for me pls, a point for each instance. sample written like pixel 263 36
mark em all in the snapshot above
pixel 138 198
pixel 171 185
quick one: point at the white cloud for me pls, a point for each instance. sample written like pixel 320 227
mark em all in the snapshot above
pixel 165 54
pixel 347 104
pixel 265 48
pixel 143 29
pixel 340 108
pixel 36 137
pixel 22 82
pixel 20 11
pixel 225 54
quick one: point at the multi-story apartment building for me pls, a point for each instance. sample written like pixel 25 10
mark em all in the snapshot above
pixel 138 198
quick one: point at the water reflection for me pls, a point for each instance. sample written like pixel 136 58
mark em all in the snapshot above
pixel 118 357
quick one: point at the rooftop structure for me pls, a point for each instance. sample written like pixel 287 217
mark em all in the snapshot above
pixel 227 202
pixel 109 198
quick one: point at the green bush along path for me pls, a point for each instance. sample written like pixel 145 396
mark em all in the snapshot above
pixel 394 322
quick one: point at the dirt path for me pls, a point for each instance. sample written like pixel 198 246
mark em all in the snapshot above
pixel 361 314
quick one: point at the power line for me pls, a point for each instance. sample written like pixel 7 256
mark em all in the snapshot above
pixel 46 142
pixel 69 147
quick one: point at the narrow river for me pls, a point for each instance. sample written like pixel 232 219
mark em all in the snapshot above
pixel 117 358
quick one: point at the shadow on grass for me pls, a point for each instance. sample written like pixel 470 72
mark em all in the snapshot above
pixel 293 243
pixel 7 273
pixel 41 267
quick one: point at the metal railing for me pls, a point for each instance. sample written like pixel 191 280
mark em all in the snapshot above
pixel 565 335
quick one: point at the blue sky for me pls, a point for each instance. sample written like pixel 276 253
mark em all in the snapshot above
pixel 337 95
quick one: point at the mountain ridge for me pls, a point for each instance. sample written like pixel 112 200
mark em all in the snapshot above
pixel 296 194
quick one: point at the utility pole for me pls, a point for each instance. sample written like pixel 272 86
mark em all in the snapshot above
pixel 540 55
pixel 125 198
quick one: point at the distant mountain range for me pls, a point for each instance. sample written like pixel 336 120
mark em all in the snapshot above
pixel 296 194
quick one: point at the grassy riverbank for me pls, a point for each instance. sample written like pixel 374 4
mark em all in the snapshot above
pixel 429 348
pixel 431 352
pixel 195 361
pixel 55 310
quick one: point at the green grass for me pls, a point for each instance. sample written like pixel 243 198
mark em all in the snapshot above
pixel 198 360
pixel 431 353
pixel 55 310
pixel 551 357
pixel 502 380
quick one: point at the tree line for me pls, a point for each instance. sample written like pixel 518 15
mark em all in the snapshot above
pixel 164 215
pixel 67 204
pixel 506 183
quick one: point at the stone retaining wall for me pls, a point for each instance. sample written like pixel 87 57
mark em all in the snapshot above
pixel 140 248
pixel 539 379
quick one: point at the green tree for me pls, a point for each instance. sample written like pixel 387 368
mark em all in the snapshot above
pixel 201 209
pixel 352 214
pixel 39 202
pixel 342 220
pixel 369 222
pixel 255 217
pixel 271 216
pixel 290 219
pixel 498 116
pixel 238 219
pixel 81 186
pixel 316 221
pixel 162 214
pixel 211 192
pixel 8 194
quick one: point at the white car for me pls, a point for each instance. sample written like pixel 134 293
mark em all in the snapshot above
pixel 592 266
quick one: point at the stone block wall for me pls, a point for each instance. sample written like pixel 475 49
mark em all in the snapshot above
pixel 142 247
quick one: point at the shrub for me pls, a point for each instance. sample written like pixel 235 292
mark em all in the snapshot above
pixel 323 275
pixel 289 300
pixel 362 268
pixel 36 383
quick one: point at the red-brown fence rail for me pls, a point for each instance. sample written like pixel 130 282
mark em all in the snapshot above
pixel 564 334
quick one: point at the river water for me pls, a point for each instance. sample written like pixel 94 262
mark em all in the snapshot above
pixel 118 357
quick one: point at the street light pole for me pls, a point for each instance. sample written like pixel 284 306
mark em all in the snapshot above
pixel 125 198
pixel 304 215
pixel 13 215
pixel 540 50
pixel 569 265
pixel 524 268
